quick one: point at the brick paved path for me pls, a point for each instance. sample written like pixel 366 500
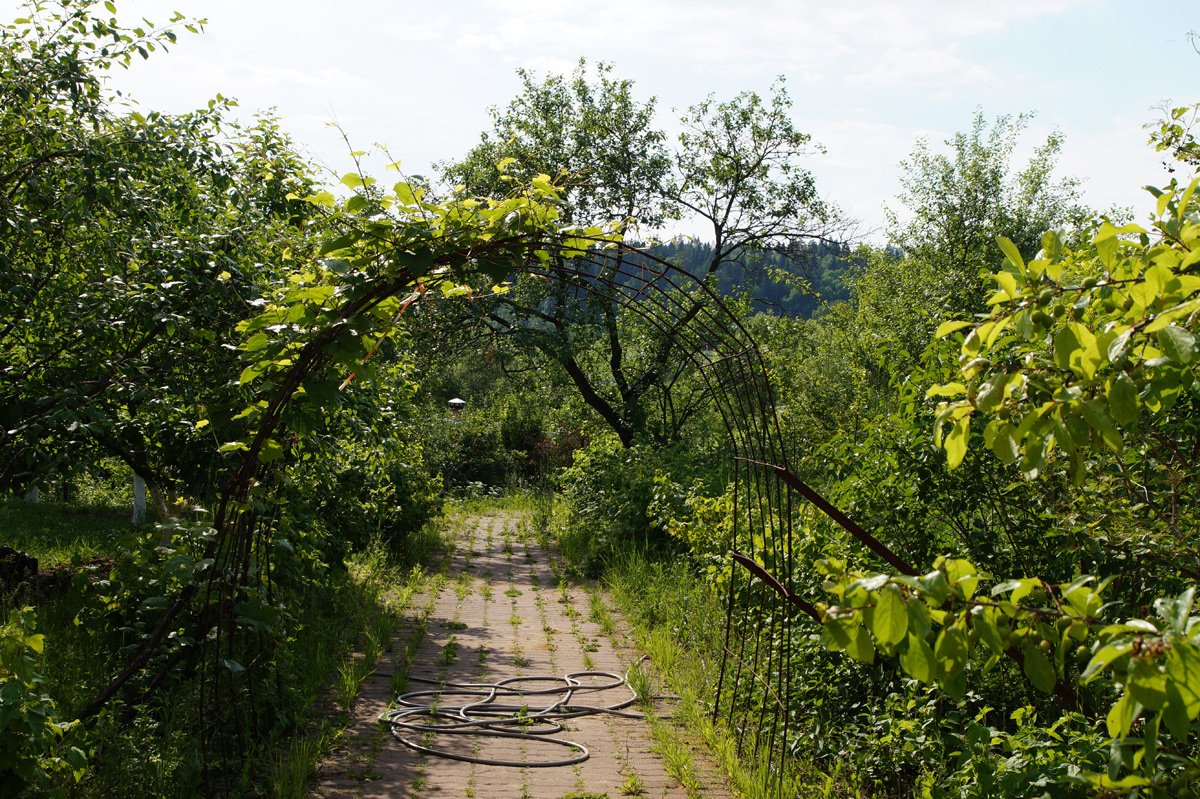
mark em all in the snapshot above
pixel 500 613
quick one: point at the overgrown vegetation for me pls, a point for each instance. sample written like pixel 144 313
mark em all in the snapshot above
pixel 1004 395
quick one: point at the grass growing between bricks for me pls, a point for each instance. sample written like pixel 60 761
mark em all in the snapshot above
pixel 677 621
pixel 384 593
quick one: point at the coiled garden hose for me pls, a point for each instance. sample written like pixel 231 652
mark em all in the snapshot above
pixel 486 716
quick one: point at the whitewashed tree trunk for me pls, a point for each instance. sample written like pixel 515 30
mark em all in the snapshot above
pixel 139 499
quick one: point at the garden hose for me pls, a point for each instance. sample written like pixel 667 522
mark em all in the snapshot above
pixel 485 716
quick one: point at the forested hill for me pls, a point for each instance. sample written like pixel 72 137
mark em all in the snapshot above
pixel 797 284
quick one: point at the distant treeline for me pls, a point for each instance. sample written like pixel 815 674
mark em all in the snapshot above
pixel 796 283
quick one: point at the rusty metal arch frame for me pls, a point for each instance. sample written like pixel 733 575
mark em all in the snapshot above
pixel 762 600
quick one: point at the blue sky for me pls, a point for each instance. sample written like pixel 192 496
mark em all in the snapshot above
pixel 868 77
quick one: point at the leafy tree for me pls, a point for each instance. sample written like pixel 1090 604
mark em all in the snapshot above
pixel 736 166
pixel 961 202
pixel 1084 366
pixel 591 131
pixel 130 246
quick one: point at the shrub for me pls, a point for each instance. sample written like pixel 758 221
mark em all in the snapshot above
pixel 31 751
pixel 360 492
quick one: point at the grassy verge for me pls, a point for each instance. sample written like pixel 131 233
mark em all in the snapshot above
pixel 536 505
pixel 335 626
pixel 381 598
pixel 678 621
pixel 64 533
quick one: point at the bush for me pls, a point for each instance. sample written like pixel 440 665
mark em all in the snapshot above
pixel 608 491
pixel 361 492
pixel 619 497
pixel 31 752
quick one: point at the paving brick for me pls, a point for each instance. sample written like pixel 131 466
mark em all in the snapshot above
pixel 552 636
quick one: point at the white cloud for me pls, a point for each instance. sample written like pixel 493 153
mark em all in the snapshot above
pixel 867 76
pixel 919 69
pixel 424 31
pixel 764 35
pixel 470 42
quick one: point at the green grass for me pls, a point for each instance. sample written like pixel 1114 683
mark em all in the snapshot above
pixel 159 754
pixel 633 786
pixel 57 533
pixel 642 684
pixel 449 652
pixel 350 679
pixel 678 621
pixel 293 767
pixel 512 501
pixel 599 613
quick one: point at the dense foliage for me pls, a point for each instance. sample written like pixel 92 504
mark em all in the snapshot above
pixel 1005 395
pixel 135 249
pixel 1079 380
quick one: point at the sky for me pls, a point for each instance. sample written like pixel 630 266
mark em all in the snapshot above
pixel 868 77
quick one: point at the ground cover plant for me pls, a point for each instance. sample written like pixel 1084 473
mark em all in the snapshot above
pixel 185 305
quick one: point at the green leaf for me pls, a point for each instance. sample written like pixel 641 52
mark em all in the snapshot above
pixel 1011 253
pixel 935 586
pixel 917 660
pixel 270 452
pixel 1096 415
pixel 946 328
pixel 963 574
pixel 1066 347
pixel 1123 399
pixel 1177 344
pixel 407 195
pixel 955 685
pixel 1122 715
pixel 947 390
pixel 1183 673
pixel 1102 658
pixel 1052 245
pixel 919 620
pixel 1039 669
pixel 890 624
pixel 419 262
pixel 999 437
pixel 1116 348
pixel 956 442
pixel 951 652
pixel 1146 683
pixel 836 632
pixel 1175 714
pixel 1177 611
pixel 339 243
pixel 861 647
pixel 991 393
pixel 989 630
